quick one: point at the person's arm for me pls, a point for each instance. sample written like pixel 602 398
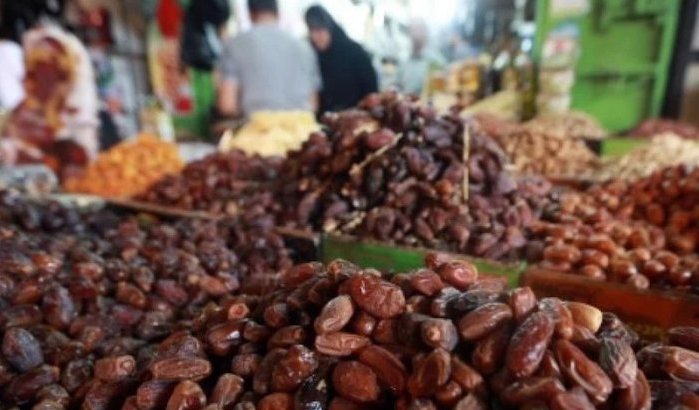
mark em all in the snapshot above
pixel 315 102
pixel 228 85
pixel 227 100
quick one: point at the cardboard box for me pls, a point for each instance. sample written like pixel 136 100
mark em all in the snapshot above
pixel 651 313
pixel 394 258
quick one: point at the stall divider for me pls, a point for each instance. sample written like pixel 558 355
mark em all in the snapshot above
pixel 394 258
pixel 651 313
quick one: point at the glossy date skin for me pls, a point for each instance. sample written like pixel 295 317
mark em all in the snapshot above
pixel 333 336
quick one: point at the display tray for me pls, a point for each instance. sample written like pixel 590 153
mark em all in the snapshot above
pixel 651 312
pixel 394 258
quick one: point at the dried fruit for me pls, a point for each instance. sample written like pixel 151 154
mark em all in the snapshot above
pixel 355 381
pixel 528 344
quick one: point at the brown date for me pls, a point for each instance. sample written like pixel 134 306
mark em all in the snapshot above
pixel 685 336
pixel 340 343
pixel 334 315
pixel 522 301
pixel 489 354
pixel 532 389
pixel 585 315
pixel 389 370
pixel 186 396
pixel 483 320
pixel 356 381
pixel 377 297
pixel 528 344
pixel 582 371
pixel 430 373
pixel 181 369
pixel 439 333
pixel 618 360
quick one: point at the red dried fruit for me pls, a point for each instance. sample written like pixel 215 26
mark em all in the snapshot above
pixel 483 320
pixel 177 368
pixel 389 370
pixel 340 343
pixel 528 344
pixel 582 371
pixel 186 396
pixel 430 373
pixel 335 315
pixel 356 381
pixel 377 297
pixel 458 274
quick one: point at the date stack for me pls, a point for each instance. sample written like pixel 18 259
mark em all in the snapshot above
pixel 393 170
pixel 87 296
pixel 222 183
pixel 642 233
pixel 337 337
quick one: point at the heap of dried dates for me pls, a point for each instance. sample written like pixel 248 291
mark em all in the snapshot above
pixel 220 183
pixel 643 233
pixel 79 288
pixel 337 337
pixel 672 369
pixel 393 170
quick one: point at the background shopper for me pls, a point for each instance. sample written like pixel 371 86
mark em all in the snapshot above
pixel 266 68
pixel 346 69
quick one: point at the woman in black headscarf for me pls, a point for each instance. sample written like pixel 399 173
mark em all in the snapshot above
pixel 348 75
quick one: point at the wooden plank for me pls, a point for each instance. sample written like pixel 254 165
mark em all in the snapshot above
pixel 161 210
pixel 651 313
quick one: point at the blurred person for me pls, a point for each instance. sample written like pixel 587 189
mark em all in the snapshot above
pixel 422 60
pixel 266 68
pixel 11 56
pixel 56 122
pixel 345 67
pixel 203 22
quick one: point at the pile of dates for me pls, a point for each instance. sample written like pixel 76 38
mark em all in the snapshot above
pixel 219 183
pixel 79 288
pixel 642 233
pixel 671 369
pixel 394 170
pixel 339 337
pixel 668 199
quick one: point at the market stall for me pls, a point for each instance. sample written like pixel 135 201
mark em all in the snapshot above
pixel 477 246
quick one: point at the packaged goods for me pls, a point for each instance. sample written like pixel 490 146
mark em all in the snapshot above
pixel 128 168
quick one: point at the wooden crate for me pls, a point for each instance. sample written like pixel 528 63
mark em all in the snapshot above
pixel 651 312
